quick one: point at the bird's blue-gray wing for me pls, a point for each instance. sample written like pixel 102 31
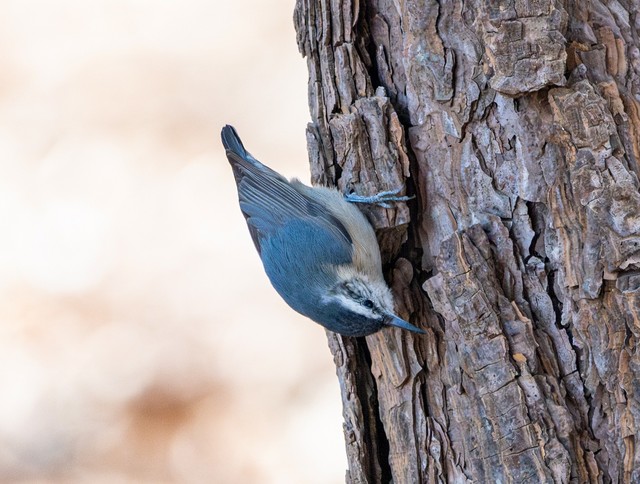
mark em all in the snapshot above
pixel 299 260
pixel 272 206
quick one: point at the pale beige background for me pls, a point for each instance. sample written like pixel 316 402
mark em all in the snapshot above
pixel 139 338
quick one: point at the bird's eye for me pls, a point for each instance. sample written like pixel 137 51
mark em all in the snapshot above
pixel 368 303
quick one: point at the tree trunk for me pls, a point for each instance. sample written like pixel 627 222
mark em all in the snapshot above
pixel 516 125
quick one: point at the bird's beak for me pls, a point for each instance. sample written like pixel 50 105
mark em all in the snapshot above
pixel 401 323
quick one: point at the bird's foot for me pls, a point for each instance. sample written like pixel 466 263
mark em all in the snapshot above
pixel 382 199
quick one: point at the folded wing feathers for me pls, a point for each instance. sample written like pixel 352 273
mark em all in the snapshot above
pixel 267 199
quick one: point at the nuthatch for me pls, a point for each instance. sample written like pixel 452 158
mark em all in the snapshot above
pixel 318 250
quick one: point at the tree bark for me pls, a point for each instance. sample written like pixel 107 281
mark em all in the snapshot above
pixel 516 125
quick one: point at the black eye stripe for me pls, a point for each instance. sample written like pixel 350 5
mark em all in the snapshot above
pixel 351 292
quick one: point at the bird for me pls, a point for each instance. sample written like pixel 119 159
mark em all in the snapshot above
pixel 318 250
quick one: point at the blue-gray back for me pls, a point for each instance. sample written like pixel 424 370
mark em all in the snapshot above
pixel 299 260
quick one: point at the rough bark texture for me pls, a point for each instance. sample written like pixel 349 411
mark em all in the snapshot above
pixel 516 125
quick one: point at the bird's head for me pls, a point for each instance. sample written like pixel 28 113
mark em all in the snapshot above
pixel 358 306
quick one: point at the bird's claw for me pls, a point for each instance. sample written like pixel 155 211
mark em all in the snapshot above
pixel 382 199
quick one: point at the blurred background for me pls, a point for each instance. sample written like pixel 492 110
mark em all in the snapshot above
pixel 140 340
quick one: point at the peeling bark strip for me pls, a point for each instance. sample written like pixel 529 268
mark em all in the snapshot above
pixel 517 125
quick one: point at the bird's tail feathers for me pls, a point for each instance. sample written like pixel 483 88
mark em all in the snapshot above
pixel 233 143
pixel 241 160
pixel 239 157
